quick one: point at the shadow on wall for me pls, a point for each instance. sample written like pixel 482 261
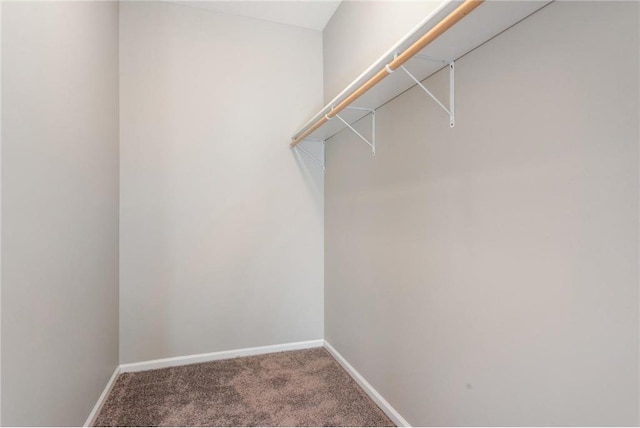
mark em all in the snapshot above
pixel 311 171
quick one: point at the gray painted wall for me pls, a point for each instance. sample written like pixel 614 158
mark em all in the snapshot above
pixel 221 224
pixel 488 274
pixel 59 209
pixel 0 212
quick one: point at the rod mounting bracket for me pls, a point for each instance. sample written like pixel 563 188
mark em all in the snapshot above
pixel 321 163
pixel 371 143
pixel 452 85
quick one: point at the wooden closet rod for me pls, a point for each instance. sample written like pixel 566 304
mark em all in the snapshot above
pixel 450 20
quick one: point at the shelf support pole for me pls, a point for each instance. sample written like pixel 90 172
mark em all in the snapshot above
pixel 449 110
pixel 311 155
pixel 452 93
pixel 371 143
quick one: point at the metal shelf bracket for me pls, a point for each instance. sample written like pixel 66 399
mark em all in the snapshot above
pixel 452 85
pixel 371 143
pixel 321 163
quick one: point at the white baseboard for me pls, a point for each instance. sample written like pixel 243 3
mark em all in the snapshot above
pixel 392 413
pixel 214 356
pixel 101 400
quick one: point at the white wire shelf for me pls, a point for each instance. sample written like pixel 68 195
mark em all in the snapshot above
pixel 485 22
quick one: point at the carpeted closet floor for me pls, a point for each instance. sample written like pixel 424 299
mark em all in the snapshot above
pixel 295 388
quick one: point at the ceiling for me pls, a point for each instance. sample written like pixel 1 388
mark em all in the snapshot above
pixel 312 14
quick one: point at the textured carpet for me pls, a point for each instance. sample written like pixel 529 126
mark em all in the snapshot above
pixel 295 388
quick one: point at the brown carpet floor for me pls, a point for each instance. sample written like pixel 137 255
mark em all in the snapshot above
pixel 295 388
